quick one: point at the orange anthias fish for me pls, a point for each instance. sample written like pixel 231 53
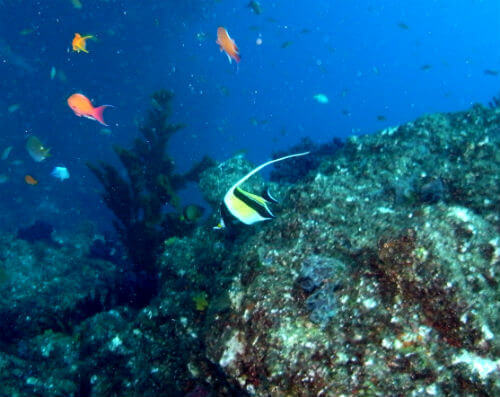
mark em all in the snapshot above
pixel 82 106
pixel 227 45
pixel 30 180
pixel 80 42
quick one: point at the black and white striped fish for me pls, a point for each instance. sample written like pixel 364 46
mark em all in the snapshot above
pixel 245 207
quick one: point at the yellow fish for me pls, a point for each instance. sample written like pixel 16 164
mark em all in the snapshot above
pixel 246 207
pixel 80 42
pixel 36 150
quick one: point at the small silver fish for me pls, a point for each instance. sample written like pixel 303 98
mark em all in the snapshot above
pixel 6 152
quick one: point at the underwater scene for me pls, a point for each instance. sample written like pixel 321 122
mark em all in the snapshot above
pixel 214 198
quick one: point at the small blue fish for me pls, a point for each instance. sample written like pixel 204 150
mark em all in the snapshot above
pixel 321 98
pixel 60 173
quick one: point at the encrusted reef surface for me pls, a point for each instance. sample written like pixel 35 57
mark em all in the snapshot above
pixel 379 277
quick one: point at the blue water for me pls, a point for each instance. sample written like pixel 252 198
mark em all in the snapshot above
pixel 380 64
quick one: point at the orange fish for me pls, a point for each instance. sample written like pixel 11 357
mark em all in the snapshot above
pixel 30 180
pixel 82 106
pixel 227 45
pixel 80 42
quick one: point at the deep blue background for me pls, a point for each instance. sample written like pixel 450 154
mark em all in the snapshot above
pixel 358 53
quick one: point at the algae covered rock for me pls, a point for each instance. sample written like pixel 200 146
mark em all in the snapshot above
pixel 216 181
pixel 378 277
pixel 46 286
pixel 47 289
pixel 319 276
pixel 371 281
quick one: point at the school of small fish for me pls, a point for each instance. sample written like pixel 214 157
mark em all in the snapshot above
pixel 238 205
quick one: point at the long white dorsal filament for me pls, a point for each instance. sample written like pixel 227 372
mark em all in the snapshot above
pixel 255 170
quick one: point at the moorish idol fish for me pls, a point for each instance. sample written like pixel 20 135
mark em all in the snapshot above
pixel 246 207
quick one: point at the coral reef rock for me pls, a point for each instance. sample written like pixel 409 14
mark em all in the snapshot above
pixel 378 277
pixel 216 181
pixel 375 279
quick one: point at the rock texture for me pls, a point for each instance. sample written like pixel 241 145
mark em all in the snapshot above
pixel 379 277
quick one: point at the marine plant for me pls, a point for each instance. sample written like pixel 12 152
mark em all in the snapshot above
pixel 138 200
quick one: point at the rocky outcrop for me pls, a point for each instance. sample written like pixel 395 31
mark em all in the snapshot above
pixel 378 277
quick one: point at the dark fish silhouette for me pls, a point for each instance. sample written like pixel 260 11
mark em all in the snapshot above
pixel 255 7
pixel 491 72
pixel 14 59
